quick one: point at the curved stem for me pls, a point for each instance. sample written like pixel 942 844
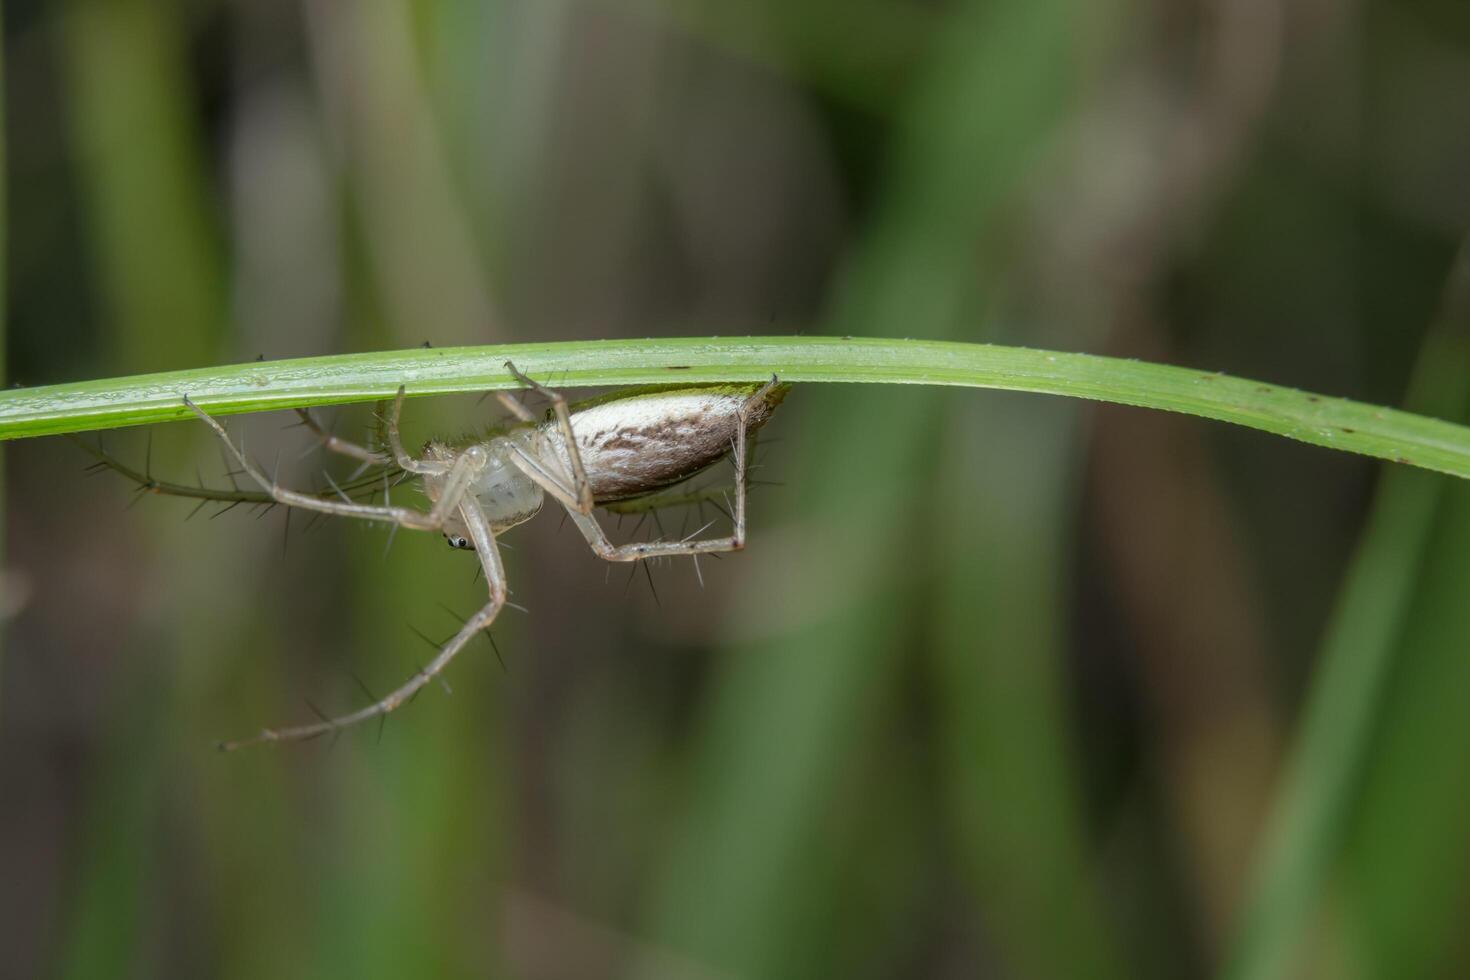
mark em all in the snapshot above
pixel 1335 423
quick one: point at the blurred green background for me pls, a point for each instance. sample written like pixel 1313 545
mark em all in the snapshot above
pixel 1004 686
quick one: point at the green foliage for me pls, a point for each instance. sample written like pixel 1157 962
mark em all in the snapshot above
pixel 1388 611
pixel 1336 423
pixel 1001 685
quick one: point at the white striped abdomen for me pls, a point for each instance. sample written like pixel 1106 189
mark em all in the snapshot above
pixel 641 440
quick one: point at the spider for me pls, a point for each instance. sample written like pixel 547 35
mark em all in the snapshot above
pixel 614 449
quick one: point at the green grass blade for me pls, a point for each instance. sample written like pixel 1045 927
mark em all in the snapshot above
pixel 1405 853
pixel 1012 781
pixel 1319 783
pixel 1332 751
pixel 136 143
pixel 796 771
pixel 1332 422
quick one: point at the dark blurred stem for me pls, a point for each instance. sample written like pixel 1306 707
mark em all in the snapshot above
pixel 1304 833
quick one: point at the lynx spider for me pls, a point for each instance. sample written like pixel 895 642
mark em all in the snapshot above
pixel 624 446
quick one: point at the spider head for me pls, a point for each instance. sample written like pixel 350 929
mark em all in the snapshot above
pixel 457 534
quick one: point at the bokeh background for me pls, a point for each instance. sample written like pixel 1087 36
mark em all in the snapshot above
pixel 1004 686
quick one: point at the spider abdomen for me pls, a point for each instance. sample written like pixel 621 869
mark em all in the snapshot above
pixel 636 442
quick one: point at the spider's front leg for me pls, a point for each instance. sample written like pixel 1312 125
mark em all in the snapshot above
pixel 404 460
pixel 582 501
pixel 461 474
pixel 489 554
pixel 334 443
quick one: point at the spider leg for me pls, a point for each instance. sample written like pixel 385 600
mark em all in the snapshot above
pixel 581 488
pixel 454 488
pixel 147 484
pixel 395 443
pixel 331 442
pixel 484 538
pixel 515 407
pixel 542 475
pixel 692 497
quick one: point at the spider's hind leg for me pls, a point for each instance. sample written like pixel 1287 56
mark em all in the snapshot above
pixel 597 537
pixel 684 495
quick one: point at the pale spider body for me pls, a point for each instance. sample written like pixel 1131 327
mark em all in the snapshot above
pixel 608 451
pixel 632 442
